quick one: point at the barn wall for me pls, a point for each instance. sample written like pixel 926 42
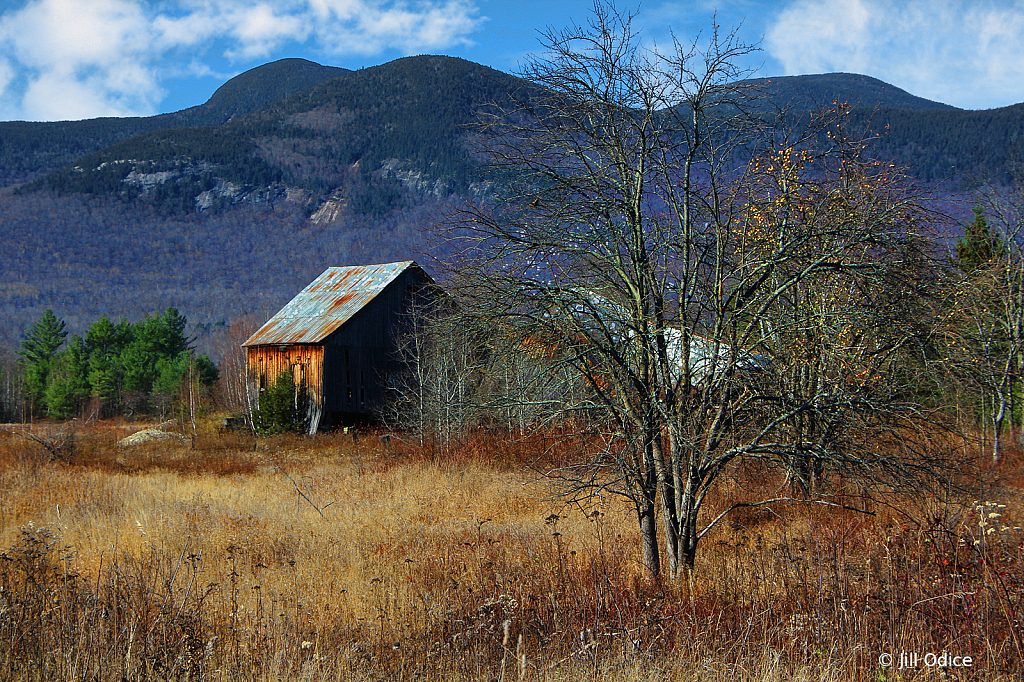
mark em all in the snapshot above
pixel 360 358
pixel 306 362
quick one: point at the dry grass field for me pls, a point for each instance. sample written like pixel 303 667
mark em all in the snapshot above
pixel 368 559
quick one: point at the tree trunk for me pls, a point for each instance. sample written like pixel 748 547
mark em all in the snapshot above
pixel 998 416
pixel 668 509
pixel 687 541
pixel 686 524
pixel 649 537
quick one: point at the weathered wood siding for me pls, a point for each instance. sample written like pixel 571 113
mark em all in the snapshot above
pixel 306 363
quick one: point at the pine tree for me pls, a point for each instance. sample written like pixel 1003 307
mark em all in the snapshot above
pixel 38 350
pixel 68 384
pixel 43 339
pixel 979 246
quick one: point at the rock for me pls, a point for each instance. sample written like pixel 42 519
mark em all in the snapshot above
pixel 152 436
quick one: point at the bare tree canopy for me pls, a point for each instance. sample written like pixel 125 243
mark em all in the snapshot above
pixel 983 327
pixel 714 310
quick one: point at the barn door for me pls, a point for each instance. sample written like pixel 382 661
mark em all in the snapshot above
pixel 299 375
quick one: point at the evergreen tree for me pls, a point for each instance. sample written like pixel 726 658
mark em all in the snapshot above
pixel 68 385
pixel 105 342
pixel 164 334
pixel 282 407
pixel 38 350
pixel 129 367
pixel 139 364
pixel 157 356
pixel 43 340
pixel 979 246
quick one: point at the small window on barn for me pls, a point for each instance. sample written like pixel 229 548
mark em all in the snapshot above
pixel 263 380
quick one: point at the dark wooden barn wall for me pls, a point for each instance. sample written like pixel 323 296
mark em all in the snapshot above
pixel 360 358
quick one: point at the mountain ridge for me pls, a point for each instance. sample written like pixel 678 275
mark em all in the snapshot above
pixel 822 90
pixel 225 219
pixel 411 114
pixel 29 148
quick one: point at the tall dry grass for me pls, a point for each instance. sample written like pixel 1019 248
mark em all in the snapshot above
pixel 369 559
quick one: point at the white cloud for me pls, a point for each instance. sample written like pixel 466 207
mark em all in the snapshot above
pixel 54 96
pixel 365 27
pixel 963 52
pixel 79 58
pixel 6 73
pixel 84 58
pixel 258 30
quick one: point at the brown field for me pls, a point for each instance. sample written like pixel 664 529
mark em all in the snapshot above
pixel 334 559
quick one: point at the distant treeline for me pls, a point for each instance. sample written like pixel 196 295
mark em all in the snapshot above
pixel 945 145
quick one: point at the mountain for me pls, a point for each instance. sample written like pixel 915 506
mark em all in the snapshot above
pixel 818 91
pixel 29 149
pixel 256 88
pixel 230 207
pixel 296 124
pixel 936 142
pixel 409 117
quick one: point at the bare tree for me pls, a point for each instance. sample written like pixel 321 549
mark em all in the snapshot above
pixel 13 400
pixel 688 293
pixel 987 313
pixel 461 375
pixel 437 398
pixel 232 392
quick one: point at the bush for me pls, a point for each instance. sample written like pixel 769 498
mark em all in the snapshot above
pixel 282 407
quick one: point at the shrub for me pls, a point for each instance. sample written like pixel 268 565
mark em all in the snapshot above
pixel 282 407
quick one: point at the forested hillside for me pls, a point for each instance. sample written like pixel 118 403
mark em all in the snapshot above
pixel 823 90
pixel 29 149
pixel 952 146
pixel 355 138
pixel 98 256
pixel 232 206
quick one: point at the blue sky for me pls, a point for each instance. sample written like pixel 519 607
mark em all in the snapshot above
pixel 72 59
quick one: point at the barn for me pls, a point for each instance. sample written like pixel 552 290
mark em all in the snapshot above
pixel 338 339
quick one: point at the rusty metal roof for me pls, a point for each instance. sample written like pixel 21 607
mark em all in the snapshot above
pixel 327 303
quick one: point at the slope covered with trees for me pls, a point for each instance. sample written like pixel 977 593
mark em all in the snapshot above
pixel 86 256
pixel 823 90
pixel 29 149
pixel 233 217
